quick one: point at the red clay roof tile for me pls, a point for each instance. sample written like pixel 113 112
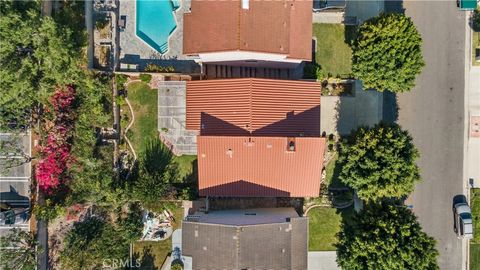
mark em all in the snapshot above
pixel 280 26
pixel 259 166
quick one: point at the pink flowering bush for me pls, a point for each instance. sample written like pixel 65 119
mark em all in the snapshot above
pixel 55 156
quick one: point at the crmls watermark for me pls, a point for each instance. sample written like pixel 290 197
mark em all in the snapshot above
pixel 117 263
pixel 129 263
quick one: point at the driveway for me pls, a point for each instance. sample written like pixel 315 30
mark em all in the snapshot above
pixel 322 260
pixel 342 114
pixel 433 112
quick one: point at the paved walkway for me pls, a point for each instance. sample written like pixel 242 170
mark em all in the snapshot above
pixel 322 260
pixel 473 146
pixel 171 118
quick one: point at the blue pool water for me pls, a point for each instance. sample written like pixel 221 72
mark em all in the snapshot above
pixel 155 22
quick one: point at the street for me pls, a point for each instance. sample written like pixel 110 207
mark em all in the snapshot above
pixel 433 112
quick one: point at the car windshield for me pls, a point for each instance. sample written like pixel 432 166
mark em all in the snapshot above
pixel 466 216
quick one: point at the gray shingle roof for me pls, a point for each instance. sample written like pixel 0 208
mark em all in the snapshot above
pixel 263 246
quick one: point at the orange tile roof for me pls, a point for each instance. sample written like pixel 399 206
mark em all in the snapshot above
pixel 258 107
pixel 280 26
pixel 259 166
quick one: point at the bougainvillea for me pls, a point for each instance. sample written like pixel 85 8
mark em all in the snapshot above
pixel 55 155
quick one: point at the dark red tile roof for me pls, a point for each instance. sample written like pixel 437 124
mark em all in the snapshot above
pixel 279 26
pixel 254 107
pixel 259 166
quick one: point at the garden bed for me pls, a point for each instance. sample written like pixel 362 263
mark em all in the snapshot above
pixel 144 102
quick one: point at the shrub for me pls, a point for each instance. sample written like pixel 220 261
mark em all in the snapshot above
pixel 145 77
pixel 384 237
pixel 49 211
pixel 55 155
pixel 120 80
pixel 156 68
pixel 476 20
pixel 313 71
pixel 387 53
pixel 379 162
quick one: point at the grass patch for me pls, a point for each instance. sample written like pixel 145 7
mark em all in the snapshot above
pixel 475 242
pixel 334 53
pixel 144 103
pixel 474 256
pixel 152 254
pixel 186 165
pixel 332 173
pixel 324 225
pixel 475 204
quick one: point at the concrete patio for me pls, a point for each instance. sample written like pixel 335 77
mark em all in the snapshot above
pixel 171 118
pixel 134 50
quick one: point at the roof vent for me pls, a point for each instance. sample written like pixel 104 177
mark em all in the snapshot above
pixel 230 153
pixel 245 4
pixel 291 146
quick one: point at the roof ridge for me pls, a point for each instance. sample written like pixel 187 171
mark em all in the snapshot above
pixel 250 113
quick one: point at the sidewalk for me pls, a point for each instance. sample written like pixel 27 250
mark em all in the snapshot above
pixel 322 260
pixel 473 143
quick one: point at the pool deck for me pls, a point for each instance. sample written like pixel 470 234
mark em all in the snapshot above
pixel 134 50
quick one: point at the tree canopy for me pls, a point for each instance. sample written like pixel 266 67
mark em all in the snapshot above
pixel 379 162
pixel 387 53
pixel 385 236
pixel 36 55
pixel 23 251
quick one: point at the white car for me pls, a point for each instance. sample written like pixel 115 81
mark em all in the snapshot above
pixel 463 220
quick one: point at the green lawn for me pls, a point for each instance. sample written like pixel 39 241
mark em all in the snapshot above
pixel 475 242
pixel 152 254
pixel 324 224
pixel 474 256
pixel 144 102
pixel 334 54
pixel 475 204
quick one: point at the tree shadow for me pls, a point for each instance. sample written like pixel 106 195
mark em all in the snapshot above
pixel 146 260
pixel 394 6
pixel 390 107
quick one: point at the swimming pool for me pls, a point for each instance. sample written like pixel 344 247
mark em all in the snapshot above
pixel 155 22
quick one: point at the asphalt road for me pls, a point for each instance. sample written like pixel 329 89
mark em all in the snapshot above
pixel 433 112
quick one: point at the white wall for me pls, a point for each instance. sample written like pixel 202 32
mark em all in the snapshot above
pixel 245 58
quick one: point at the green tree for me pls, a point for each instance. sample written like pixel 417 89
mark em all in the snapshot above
pixel 13 149
pixel 476 20
pixel 385 236
pixel 379 162
pixel 131 226
pixel 90 243
pixel 18 250
pixel 153 180
pixel 36 55
pixel 387 53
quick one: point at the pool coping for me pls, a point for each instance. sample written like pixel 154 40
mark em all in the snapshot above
pixel 169 35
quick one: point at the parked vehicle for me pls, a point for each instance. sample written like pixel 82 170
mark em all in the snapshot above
pixel 13 216
pixel 463 220
pixel 467 4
